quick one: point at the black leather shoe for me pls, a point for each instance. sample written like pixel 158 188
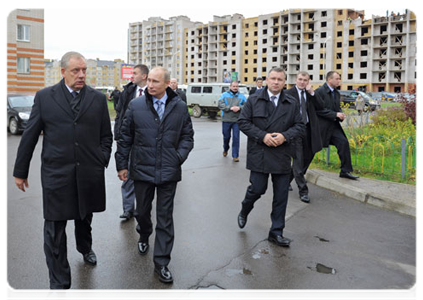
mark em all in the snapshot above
pixel 164 274
pixel 126 215
pixel 55 294
pixel 279 240
pixel 348 175
pixel 290 188
pixel 143 247
pixel 90 258
pixel 305 198
pixel 242 220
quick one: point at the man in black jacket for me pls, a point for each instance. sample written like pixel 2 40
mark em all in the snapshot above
pixel 134 89
pixel 157 133
pixel 271 120
pixel 330 127
pixel 77 143
pixel 258 87
pixel 311 142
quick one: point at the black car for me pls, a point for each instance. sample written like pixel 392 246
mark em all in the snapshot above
pixel 18 111
pixel 348 97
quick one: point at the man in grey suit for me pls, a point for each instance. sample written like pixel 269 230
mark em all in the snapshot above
pixel 77 142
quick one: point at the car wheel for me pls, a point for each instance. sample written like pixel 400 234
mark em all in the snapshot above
pixel 196 111
pixel 13 127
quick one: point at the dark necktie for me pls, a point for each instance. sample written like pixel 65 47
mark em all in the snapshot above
pixel 74 94
pixel 303 106
pixel 140 93
pixel 273 99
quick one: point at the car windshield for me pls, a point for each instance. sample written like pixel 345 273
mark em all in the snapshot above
pixel 21 101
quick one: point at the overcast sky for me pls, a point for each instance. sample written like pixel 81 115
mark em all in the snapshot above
pixel 100 31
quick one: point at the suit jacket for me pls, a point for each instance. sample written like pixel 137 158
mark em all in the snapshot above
pixel 259 117
pixel 76 151
pixel 313 104
pixel 327 115
pixel 127 95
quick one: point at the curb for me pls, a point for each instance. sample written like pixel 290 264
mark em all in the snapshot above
pixel 341 186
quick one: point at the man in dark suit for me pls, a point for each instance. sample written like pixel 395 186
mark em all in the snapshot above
pixel 330 117
pixel 157 133
pixel 258 87
pixel 174 86
pixel 136 88
pixel 271 120
pixel 77 141
pixel 311 142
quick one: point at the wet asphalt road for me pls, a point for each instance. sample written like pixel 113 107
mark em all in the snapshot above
pixel 337 243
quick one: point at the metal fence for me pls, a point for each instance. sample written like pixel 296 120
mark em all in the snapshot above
pixel 378 155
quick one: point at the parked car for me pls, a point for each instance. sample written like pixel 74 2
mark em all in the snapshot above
pixel 18 111
pixel 204 97
pixel 348 97
pixel 388 96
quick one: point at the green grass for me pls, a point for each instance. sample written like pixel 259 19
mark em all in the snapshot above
pixel 389 104
pixel 112 111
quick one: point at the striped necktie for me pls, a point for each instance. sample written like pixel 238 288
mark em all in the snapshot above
pixel 159 108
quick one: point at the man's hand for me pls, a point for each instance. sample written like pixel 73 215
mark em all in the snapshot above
pixel 235 108
pixel 340 116
pixel 279 138
pixel 21 183
pixel 309 89
pixel 123 174
pixel 273 139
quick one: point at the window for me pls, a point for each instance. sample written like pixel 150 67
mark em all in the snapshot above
pixel 324 13
pixel 310 46
pixel 339 45
pixel 351 31
pixel 264 22
pixel 264 31
pixel 207 90
pixel 234 26
pixel 351 43
pixel 365 41
pixel 350 76
pixel 23 33
pixel 310 67
pixel 323 34
pixel 350 65
pixel 363 75
pixel 323 24
pixel 339 33
pixel 310 56
pixel 196 89
pixel 363 64
pixel 351 54
pixel 24 65
pixel 364 53
pixel 338 66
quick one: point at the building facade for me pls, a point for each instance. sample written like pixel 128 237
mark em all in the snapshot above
pixel 25 51
pixel 377 54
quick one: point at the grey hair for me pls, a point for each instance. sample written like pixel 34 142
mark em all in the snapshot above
pixel 166 74
pixel 64 62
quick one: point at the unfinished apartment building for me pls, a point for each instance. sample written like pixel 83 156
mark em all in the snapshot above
pixel 159 42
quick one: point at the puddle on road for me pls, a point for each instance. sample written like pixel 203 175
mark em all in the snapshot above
pixel 325 270
pixel 322 239
pixel 233 272
pixel 257 254
pixel 208 293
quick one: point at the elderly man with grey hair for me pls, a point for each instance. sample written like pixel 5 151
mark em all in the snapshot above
pixel 77 142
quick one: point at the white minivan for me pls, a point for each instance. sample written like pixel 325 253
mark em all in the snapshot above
pixel 204 97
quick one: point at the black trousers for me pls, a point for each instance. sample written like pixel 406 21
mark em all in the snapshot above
pixel 280 197
pixel 303 159
pixel 144 194
pixel 55 248
pixel 341 143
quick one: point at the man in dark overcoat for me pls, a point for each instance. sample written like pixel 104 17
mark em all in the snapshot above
pixel 311 142
pixel 156 138
pixel 77 141
pixel 271 120
pixel 330 118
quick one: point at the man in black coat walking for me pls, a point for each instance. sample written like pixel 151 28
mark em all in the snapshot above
pixel 330 127
pixel 311 143
pixel 157 133
pixel 77 142
pixel 271 120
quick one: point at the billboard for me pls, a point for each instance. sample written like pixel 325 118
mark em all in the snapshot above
pixel 127 71
pixel 230 76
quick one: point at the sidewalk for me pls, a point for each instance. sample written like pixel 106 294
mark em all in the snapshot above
pixel 385 194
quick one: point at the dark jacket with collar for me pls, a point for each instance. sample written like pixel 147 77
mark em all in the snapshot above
pixel 76 150
pixel 124 99
pixel 313 103
pixel 157 147
pixel 327 114
pixel 259 117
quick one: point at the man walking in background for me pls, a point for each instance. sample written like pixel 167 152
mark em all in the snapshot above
pixel 134 89
pixel 330 127
pixel 231 103
pixel 310 143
